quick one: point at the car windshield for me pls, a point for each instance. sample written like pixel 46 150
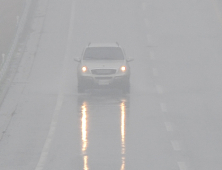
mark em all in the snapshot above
pixel 103 53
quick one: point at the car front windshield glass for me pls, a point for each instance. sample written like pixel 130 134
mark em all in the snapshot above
pixel 103 53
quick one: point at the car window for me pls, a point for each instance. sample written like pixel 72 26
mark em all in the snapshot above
pixel 103 53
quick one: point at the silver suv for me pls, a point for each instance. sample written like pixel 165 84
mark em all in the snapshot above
pixel 103 66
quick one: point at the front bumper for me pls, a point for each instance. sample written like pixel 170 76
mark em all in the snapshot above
pixel 103 81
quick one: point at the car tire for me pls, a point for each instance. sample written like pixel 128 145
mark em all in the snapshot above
pixel 81 88
pixel 126 87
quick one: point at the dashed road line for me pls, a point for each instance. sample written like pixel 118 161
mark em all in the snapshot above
pixel 169 126
pixel 182 165
pixel 144 6
pixel 152 56
pixel 159 89
pixel 146 23
pixel 149 39
pixel 176 145
pixel 217 10
pixel 155 72
pixel 163 107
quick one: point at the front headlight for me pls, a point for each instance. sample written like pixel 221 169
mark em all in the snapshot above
pixel 84 69
pixel 123 69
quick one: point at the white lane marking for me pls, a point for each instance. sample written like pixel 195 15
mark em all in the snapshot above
pixel 152 56
pixel 182 165
pixel 217 10
pixel 159 89
pixel 60 98
pixel 163 107
pixel 144 6
pixel 176 145
pixel 155 72
pixel 169 126
pixel 146 23
pixel 47 145
pixel 149 39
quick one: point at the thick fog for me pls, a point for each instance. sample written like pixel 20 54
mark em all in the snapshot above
pixel 170 119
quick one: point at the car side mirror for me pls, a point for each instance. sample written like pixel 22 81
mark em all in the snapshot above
pixel 129 59
pixel 77 59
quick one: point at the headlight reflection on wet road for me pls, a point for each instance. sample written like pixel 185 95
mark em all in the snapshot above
pixel 84 134
pixel 85 159
pixel 123 132
pixel 84 127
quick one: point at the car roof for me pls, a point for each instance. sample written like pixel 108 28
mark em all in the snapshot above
pixel 103 45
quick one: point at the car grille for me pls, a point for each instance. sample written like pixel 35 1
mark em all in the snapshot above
pixel 103 78
pixel 103 71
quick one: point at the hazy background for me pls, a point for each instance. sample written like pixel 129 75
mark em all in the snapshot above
pixel 171 120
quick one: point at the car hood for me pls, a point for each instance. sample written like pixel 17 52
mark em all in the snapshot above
pixel 110 64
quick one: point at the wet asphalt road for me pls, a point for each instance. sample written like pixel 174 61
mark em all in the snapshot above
pixel 171 120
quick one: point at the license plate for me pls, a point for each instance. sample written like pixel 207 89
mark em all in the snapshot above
pixel 103 82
